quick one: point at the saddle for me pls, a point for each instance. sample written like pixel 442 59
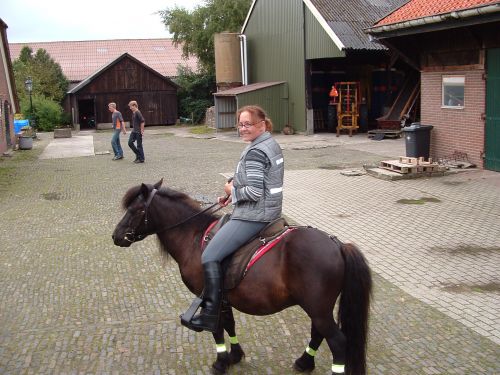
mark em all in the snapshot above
pixel 237 264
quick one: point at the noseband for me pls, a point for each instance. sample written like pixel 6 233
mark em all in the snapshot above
pixel 132 237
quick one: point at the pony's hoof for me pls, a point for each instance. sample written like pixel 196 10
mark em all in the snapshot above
pixel 219 368
pixel 305 363
pixel 236 354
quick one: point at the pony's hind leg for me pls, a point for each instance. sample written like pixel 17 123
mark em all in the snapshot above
pixel 306 361
pixel 336 342
pixel 236 353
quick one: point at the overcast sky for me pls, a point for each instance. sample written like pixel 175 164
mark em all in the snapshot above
pixel 55 20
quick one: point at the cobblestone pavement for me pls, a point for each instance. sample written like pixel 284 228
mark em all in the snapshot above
pixel 73 303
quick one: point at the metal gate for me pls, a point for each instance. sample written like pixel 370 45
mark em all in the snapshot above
pixel 492 134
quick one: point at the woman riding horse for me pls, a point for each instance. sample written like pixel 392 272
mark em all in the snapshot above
pixel 256 191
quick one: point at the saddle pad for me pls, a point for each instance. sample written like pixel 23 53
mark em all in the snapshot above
pixel 236 265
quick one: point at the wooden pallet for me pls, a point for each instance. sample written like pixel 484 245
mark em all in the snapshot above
pixel 413 167
pixel 388 133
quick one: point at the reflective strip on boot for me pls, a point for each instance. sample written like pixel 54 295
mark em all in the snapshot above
pixel 310 351
pixel 338 369
pixel 233 340
pixel 221 348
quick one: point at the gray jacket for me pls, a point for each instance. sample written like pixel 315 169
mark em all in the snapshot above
pixel 269 207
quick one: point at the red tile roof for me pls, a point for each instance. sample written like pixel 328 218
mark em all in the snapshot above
pixel 415 9
pixel 80 59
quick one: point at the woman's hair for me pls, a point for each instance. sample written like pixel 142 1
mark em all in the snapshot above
pixel 258 113
pixel 133 103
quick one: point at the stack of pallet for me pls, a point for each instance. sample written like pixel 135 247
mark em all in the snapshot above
pixel 410 165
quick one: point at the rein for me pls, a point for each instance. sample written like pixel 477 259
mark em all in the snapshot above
pixel 134 238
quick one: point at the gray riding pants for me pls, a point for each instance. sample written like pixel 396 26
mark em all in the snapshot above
pixel 234 234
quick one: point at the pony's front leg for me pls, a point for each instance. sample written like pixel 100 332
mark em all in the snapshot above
pixel 222 362
pixel 306 361
pixel 237 352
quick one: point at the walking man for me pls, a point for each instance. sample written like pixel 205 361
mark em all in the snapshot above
pixel 118 126
pixel 137 132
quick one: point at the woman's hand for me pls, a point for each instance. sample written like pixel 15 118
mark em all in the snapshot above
pixel 224 201
pixel 228 187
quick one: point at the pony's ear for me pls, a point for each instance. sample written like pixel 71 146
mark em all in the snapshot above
pixel 144 190
pixel 158 184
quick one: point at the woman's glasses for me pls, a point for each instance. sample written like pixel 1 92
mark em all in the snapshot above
pixel 247 125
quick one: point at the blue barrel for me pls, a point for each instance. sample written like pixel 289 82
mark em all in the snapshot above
pixel 19 124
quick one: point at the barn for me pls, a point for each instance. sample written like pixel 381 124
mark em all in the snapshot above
pixel 121 81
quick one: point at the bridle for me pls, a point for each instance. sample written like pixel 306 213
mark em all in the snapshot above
pixel 132 237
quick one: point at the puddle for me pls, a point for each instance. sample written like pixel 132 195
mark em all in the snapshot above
pixel 330 166
pixel 453 183
pixel 422 200
pixel 51 196
pixel 467 288
pixel 466 249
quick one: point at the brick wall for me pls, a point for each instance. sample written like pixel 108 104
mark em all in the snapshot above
pixel 455 129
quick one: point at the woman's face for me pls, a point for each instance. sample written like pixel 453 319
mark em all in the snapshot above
pixel 256 127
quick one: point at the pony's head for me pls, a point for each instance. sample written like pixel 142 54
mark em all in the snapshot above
pixel 134 226
pixel 151 209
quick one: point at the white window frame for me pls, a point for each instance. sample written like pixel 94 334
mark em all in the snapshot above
pixel 450 81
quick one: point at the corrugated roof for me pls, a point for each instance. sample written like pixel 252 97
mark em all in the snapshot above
pixel 80 59
pixel 415 9
pixel 348 19
pixel 247 88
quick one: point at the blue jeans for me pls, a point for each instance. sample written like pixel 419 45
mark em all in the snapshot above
pixel 115 143
pixel 138 151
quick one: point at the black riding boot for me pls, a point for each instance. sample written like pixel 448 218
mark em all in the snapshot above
pixel 208 318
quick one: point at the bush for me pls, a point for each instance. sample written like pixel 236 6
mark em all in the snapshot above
pixel 46 113
pixel 195 93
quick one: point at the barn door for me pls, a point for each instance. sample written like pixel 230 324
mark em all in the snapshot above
pixel 492 134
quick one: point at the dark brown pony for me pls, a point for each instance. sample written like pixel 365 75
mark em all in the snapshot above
pixel 308 268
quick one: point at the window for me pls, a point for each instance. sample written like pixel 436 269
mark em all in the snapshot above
pixel 453 91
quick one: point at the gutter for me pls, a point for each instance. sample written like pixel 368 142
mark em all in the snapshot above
pixel 428 20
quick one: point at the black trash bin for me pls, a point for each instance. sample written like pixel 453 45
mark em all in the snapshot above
pixel 417 140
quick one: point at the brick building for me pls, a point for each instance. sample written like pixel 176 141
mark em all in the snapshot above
pixel 8 97
pixel 455 45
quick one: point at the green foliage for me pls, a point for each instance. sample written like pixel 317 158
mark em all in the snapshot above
pixel 47 76
pixel 195 93
pixel 46 113
pixel 196 29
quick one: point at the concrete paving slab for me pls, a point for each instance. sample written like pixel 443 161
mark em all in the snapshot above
pixel 76 146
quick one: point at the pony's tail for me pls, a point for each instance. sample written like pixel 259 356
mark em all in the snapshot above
pixel 354 308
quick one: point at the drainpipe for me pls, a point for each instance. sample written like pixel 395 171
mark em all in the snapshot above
pixel 244 61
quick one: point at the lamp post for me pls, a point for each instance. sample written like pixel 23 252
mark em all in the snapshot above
pixel 29 87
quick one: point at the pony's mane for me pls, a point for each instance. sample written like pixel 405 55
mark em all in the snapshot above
pixel 135 191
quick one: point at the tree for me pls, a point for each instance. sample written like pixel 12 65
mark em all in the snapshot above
pixel 196 29
pixel 48 78
pixel 195 93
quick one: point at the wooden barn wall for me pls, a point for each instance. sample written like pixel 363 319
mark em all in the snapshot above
pixel 128 80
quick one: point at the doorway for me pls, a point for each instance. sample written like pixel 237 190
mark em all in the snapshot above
pixel 86 114
pixel 492 131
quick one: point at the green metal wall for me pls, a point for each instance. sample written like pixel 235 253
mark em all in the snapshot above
pixel 274 100
pixel 318 44
pixel 275 43
pixel 492 135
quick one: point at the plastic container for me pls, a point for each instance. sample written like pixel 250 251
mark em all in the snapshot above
pixel 418 140
pixel 19 124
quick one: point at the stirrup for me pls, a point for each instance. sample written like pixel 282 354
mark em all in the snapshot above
pixel 188 315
